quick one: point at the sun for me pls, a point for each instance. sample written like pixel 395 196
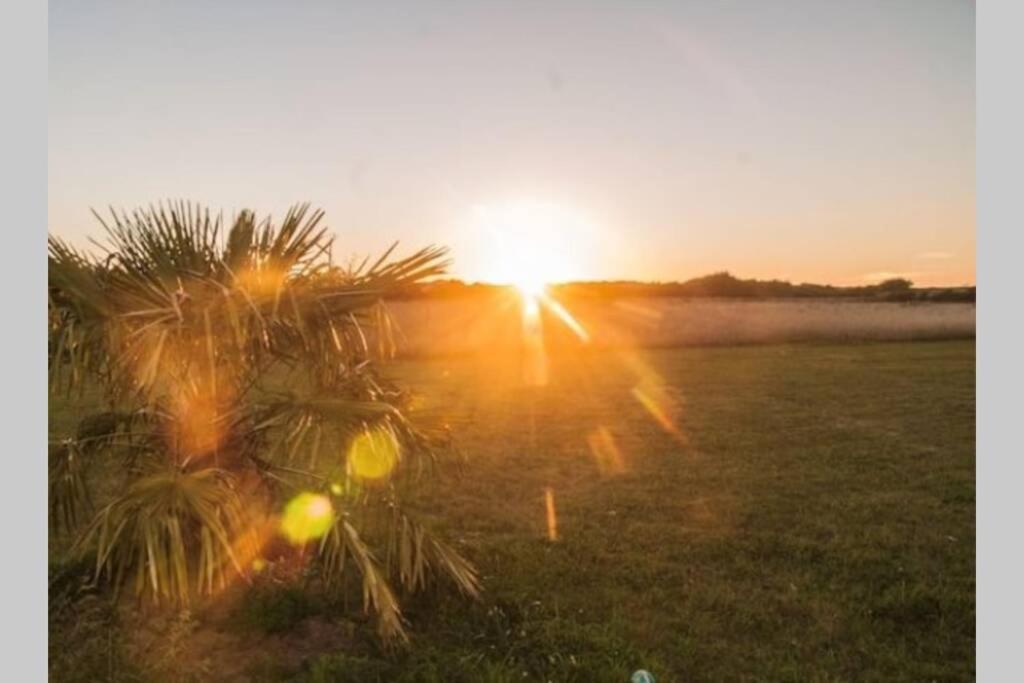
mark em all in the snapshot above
pixel 530 285
pixel 530 245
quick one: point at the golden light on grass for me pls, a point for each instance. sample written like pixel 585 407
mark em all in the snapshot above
pixel 552 516
pixel 306 517
pixel 373 454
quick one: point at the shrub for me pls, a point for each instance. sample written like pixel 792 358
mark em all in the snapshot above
pixel 240 372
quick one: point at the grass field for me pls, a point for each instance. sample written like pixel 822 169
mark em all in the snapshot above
pixel 785 513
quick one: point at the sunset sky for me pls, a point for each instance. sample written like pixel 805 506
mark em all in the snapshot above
pixel 805 140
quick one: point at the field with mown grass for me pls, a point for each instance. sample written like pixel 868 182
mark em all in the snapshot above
pixel 792 512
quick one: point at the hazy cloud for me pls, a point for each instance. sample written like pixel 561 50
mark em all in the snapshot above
pixel 881 275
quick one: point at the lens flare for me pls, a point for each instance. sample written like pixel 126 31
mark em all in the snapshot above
pixel 197 423
pixel 373 454
pixel 657 407
pixel 549 504
pixel 531 309
pixel 567 318
pixel 606 452
pixel 307 516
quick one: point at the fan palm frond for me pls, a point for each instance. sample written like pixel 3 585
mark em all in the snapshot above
pixel 170 534
pixel 311 425
pixel 68 493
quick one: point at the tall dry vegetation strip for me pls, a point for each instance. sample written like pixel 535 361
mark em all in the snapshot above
pixel 454 326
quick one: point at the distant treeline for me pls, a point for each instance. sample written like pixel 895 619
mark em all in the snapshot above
pixel 717 285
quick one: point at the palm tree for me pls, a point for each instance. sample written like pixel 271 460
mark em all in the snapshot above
pixel 244 409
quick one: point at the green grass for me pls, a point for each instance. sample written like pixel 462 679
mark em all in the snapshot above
pixel 811 520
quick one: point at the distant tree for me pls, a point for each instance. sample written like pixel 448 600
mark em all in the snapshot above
pixel 721 284
pixel 896 284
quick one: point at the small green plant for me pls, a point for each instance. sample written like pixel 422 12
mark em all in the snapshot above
pixel 171 660
pixel 85 643
pixel 277 609
pixel 506 642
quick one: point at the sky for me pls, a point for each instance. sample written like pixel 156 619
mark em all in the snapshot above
pixel 808 140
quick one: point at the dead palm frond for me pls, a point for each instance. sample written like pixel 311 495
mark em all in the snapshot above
pixel 342 546
pixel 414 554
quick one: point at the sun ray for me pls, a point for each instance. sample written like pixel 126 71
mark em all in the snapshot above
pixel 566 317
pixel 535 358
